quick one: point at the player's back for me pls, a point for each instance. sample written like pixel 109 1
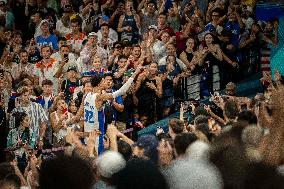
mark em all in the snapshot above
pixel 91 121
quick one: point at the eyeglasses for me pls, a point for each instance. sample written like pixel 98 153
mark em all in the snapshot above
pixel 151 6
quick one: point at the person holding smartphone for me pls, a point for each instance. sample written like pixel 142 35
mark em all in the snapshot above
pixel 65 59
pixel 58 120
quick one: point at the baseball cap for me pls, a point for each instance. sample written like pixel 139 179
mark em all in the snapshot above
pixel 72 68
pixel 44 21
pixel 104 18
pixel 149 143
pixel 153 27
pixel 117 45
pixel 92 34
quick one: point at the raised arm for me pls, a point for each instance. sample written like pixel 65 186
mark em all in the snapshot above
pixel 122 91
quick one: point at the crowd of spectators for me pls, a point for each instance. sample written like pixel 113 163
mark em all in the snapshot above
pixel 176 54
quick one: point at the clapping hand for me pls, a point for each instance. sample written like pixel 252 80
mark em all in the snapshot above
pixel 91 140
pixel 151 85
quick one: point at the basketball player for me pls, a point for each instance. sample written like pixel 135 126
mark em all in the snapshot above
pixel 92 106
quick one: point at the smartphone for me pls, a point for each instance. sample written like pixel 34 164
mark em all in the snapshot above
pixel 65 56
pixel 64 110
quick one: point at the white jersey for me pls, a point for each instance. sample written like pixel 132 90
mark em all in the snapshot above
pixel 91 121
pixel 94 119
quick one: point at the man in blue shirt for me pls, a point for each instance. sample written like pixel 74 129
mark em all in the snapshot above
pixel 234 28
pixel 46 38
pixel 112 107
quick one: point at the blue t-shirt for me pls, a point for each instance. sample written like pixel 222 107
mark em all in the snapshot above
pixel 234 29
pixel 51 40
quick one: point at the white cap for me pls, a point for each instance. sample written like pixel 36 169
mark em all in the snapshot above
pixel 109 163
pixel 44 21
pixel 92 34
pixel 153 27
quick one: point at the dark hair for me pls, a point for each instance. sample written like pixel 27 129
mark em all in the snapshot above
pixel 45 46
pixel 204 128
pixel 182 141
pixel 104 24
pixel 37 90
pixel 199 110
pixel 201 119
pixel 65 45
pixel 260 175
pixel 8 176
pixel 139 174
pixel 108 74
pixel 17 32
pixel 38 12
pixel 218 10
pixel 231 109
pixel 247 116
pixel 62 39
pixel 136 46
pixel 176 125
pixel 124 149
pixel 85 82
pixel 168 56
pixel 122 57
pixel 66 172
pixel 162 14
pixel 19 117
pixel 232 163
pixel 46 82
pixel 77 19
pixel 23 51
pixel 213 37
pixel 95 81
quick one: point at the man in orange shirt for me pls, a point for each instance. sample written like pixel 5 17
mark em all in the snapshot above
pixel 75 38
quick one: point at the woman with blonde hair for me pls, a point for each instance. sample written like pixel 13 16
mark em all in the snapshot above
pixel 58 119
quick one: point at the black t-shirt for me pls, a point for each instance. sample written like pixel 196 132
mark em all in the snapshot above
pixel 35 57
pixel 68 88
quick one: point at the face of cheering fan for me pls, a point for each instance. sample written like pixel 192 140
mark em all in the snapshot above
pixel 61 105
pixel 97 62
pixel 153 68
pixel 25 97
pixel 208 39
pixel 109 82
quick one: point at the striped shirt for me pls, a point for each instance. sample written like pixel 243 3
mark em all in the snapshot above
pixel 36 115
